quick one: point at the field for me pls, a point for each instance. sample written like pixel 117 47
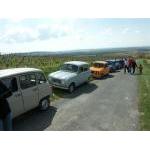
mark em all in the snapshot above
pixel 144 95
pixel 47 63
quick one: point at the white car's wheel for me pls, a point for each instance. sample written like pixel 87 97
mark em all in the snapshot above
pixel 89 79
pixel 71 87
pixel 44 104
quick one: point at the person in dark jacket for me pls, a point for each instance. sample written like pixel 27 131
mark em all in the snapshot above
pixel 140 69
pixel 134 65
pixel 129 65
pixel 5 112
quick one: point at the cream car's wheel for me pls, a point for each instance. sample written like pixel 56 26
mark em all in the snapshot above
pixel 71 87
pixel 44 104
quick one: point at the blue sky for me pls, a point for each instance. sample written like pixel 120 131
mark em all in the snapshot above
pixel 44 34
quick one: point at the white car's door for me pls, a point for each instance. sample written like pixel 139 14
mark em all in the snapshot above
pixel 15 101
pixel 82 75
pixel 87 72
pixel 43 86
pixel 29 91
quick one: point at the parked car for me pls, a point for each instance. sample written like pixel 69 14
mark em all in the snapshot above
pixel 112 65
pixel 99 69
pixel 70 75
pixel 121 62
pixel 29 88
pixel 118 65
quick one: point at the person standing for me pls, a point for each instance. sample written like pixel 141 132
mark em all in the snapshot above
pixel 125 66
pixel 140 69
pixel 5 112
pixel 134 65
pixel 129 65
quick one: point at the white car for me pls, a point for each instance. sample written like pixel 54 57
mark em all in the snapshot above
pixel 71 75
pixel 29 89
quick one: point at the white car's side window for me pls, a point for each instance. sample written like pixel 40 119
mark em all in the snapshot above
pixel 81 69
pixel 86 68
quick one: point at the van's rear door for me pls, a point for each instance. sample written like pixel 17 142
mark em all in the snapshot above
pixel 29 91
pixel 15 101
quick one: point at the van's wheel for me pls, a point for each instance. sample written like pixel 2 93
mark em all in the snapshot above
pixel 71 87
pixel 44 104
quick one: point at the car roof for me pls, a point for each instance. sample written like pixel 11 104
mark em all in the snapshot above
pixel 100 62
pixel 78 63
pixel 16 71
pixel 112 60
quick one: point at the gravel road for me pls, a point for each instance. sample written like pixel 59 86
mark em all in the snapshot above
pixel 107 104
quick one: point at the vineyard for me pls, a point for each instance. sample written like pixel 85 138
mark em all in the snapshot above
pixel 47 63
pixel 51 63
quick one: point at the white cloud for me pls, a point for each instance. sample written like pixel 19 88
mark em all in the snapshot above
pixel 129 30
pixel 125 30
pixel 106 31
pixel 15 33
pixel 137 31
pixel 18 35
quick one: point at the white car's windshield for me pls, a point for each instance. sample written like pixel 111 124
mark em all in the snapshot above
pixel 69 67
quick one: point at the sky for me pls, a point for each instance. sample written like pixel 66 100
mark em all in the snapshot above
pixel 51 34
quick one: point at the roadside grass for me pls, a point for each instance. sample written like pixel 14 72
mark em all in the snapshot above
pixel 144 95
pixel 57 94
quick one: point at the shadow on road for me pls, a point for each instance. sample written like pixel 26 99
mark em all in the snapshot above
pixel 35 120
pixel 105 77
pixel 84 88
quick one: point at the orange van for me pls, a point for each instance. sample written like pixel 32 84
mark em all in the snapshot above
pixel 99 69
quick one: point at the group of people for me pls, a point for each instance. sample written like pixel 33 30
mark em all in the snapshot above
pixel 130 66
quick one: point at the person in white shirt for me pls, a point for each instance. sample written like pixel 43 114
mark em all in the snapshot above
pixel 125 65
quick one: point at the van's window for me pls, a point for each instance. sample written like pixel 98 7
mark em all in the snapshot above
pixel 41 78
pixel 11 84
pixel 27 81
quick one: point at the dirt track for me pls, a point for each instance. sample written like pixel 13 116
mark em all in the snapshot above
pixel 107 104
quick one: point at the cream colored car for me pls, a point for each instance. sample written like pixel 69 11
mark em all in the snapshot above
pixel 30 89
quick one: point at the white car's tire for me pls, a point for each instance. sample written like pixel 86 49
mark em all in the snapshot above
pixel 71 88
pixel 44 104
